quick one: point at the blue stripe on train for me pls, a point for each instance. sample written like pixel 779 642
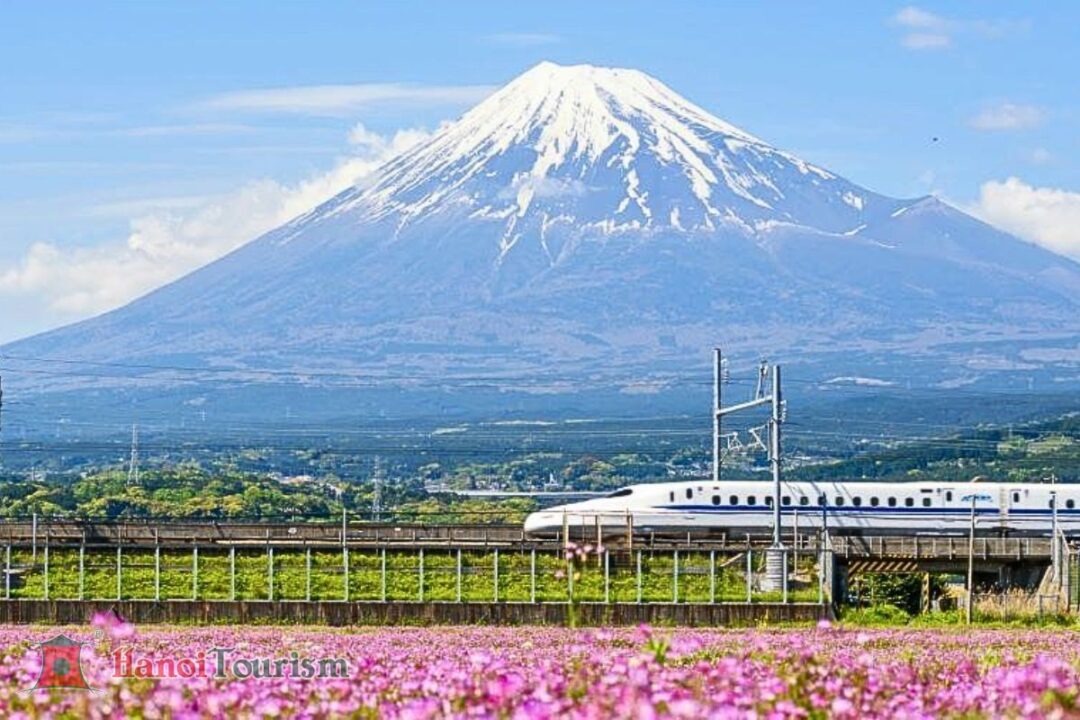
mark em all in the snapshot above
pixel 853 510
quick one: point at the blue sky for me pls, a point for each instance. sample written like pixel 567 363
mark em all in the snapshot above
pixel 140 140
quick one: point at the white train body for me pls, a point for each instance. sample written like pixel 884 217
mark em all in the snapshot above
pixel 869 508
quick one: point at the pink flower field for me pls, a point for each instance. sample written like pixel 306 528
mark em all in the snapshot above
pixel 536 672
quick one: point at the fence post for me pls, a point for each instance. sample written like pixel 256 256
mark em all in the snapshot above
pixel 532 575
pixel 46 567
pixel 607 576
pixel 157 571
pixel 569 580
pixel 119 574
pixel 195 572
pixel 82 566
pixel 639 577
pixel 821 576
pixel 382 576
pixel 495 577
pixel 232 572
pixel 307 574
pixel 784 569
pixel 795 533
pixel 675 578
pixel 345 565
pixel 458 589
pixel 7 573
pixel 712 576
pixel 749 575
pixel 270 571
pixel 420 571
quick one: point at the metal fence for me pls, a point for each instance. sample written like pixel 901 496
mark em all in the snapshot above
pixel 322 572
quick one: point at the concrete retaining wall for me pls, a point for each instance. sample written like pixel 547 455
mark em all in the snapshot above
pixel 405 613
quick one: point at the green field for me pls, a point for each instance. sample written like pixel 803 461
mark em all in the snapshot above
pixel 485 576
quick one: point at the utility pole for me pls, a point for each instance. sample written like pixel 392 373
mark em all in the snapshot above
pixel 1055 554
pixel 774 454
pixel 133 463
pixel 971 564
pixel 776 557
pixel 718 379
pixel 974 498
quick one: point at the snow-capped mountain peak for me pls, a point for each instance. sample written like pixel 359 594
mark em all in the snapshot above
pixel 592 222
pixel 602 150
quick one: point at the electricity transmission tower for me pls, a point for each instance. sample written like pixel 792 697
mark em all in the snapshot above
pixel 133 462
pixel 376 496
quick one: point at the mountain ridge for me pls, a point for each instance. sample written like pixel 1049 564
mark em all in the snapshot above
pixel 592 220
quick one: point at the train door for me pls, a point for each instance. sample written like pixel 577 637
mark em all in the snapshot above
pixel 1013 500
pixel 1005 499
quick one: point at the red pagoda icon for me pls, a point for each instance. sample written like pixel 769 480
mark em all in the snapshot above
pixel 60 664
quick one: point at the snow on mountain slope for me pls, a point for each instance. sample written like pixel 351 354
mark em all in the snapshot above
pixel 606 150
pixel 591 220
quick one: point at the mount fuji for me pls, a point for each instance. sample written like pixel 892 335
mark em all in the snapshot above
pixel 589 227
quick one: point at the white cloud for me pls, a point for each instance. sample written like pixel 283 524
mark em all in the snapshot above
pixel 1049 217
pixel 520 39
pixel 16 134
pixel 344 99
pixel 182 130
pixel 182 234
pixel 1008 116
pixel 141 206
pixel 1040 156
pixel 924 30
pixel 372 144
pixel 925 41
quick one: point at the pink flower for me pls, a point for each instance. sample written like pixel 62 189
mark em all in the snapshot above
pixel 114 628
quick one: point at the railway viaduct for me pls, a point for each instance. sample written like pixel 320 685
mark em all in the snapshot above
pixel 828 565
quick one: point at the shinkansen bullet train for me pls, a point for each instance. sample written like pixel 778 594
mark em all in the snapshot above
pixel 861 508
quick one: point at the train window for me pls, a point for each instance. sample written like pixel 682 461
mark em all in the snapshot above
pixel 621 493
pixel 1070 503
pixel 892 502
pixel 926 502
pixel 822 500
pixel 672 495
pixel 751 500
pixel 715 499
pixel 734 499
pixel 804 500
pixel 1016 497
pixel 948 496
pixel 839 500
pixel 873 502
pixel 909 502
pixel 768 500
pixel 786 500
pixel 856 501
pixel 689 493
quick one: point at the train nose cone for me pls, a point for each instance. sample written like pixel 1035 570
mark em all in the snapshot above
pixel 539 522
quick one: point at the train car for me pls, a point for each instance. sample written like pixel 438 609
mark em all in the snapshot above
pixel 857 508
